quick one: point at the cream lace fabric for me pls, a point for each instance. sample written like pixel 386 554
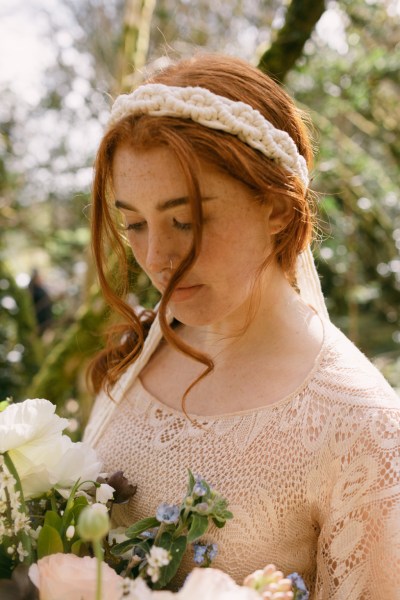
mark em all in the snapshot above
pixel 313 481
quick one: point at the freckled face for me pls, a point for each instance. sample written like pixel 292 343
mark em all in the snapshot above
pixel 150 190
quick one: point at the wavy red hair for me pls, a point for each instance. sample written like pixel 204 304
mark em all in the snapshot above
pixel 189 141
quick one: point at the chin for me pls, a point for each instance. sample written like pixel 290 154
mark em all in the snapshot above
pixel 191 318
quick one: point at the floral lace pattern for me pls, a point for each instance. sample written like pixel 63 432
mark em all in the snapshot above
pixel 313 481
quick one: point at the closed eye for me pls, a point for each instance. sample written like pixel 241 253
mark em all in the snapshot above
pixel 140 225
pixel 136 226
pixel 181 226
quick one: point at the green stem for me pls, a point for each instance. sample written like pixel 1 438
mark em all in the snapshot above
pixel 159 532
pixel 98 552
pixel 70 502
pixel 183 523
pixel 24 537
pixel 68 508
pixel 53 501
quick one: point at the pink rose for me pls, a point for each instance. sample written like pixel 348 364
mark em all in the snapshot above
pixel 68 577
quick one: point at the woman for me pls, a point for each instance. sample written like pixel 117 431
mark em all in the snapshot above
pixel 242 378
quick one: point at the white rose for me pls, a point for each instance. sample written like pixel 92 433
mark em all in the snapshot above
pixel 25 424
pixel 78 461
pixel 44 458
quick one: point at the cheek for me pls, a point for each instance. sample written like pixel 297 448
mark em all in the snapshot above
pixel 138 247
pixel 235 253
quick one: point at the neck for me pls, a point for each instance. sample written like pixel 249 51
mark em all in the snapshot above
pixel 273 318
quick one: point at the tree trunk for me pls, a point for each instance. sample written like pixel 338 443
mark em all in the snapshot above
pixel 301 18
pixel 135 42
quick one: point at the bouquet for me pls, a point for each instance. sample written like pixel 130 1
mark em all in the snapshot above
pixel 55 536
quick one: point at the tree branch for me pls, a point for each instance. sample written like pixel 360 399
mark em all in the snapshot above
pixel 301 18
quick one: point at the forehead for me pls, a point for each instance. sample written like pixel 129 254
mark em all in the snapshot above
pixel 140 175
pixel 131 163
pixel 143 175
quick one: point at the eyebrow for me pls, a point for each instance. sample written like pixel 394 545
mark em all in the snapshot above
pixel 161 206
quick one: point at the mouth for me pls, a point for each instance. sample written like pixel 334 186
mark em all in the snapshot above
pixel 182 293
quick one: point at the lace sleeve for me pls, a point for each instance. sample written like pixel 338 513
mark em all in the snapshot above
pixel 359 543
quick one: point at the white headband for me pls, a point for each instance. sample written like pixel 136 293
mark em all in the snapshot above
pixel 237 118
pixel 216 112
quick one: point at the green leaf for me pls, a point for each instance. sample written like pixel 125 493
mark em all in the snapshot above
pixel 80 501
pixel 148 523
pixel 176 548
pixel 80 548
pixel 218 523
pixel 49 542
pixel 191 483
pixel 122 547
pixel 53 519
pixel 198 526
pixel 79 505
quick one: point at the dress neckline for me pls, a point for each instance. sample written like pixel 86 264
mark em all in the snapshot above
pixel 137 386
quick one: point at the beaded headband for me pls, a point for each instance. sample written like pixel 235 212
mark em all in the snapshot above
pixel 215 112
pixel 236 118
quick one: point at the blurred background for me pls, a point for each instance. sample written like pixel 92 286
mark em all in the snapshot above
pixel 61 64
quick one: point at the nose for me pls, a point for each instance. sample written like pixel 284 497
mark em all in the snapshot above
pixel 161 250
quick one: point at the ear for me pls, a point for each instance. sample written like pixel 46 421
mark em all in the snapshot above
pixel 280 213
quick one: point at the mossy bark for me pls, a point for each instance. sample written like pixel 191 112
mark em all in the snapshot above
pixel 281 56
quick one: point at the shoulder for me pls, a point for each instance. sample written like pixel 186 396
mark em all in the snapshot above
pixel 348 378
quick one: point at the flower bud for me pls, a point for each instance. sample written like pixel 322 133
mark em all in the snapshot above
pixel 93 523
pixel 69 534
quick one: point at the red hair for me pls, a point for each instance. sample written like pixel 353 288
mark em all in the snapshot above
pixel 189 141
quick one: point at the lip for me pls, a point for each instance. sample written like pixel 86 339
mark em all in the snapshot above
pixel 180 294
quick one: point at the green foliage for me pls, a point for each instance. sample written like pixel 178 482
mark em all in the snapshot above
pixel 353 100
pixel 201 507
pixel 49 541
pixel 176 548
pixel 21 350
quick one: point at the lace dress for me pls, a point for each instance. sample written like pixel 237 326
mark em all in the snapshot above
pixel 313 480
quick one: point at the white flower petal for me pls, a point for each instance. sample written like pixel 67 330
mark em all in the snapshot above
pixel 79 461
pixel 24 422
pixel 104 493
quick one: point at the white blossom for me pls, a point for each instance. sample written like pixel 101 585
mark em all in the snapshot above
pixel 21 552
pixel 104 493
pixel 158 557
pixel 32 435
pixel 26 423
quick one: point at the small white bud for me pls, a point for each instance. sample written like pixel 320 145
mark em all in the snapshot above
pixel 70 532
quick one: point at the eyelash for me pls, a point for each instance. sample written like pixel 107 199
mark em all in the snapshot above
pixel 138 227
